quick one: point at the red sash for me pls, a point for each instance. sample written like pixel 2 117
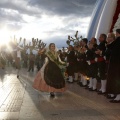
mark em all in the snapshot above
pixel 100 59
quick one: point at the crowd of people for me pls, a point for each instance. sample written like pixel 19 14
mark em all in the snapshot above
pixel 27 56
pixel 98 62
pixel 87 60
pixel 88 63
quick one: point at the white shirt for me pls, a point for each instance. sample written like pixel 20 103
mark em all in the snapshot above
pixel 19 54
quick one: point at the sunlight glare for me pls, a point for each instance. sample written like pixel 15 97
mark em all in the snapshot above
pixel 4 36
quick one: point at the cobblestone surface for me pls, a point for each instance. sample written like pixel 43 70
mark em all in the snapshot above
pixel 19 101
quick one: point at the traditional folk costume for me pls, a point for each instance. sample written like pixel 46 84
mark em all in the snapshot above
pixel 113 74
pixel 108 51
pixel 91 69
pixel 31 62
pixel 108 55
pixel 2 61
pixel 71 60
pixel 82 68
pixel 83 64
pixel 50 78
pixel 24 58
pixel 76 70
pixel 79 62
pixel 17 59
pixel 101 66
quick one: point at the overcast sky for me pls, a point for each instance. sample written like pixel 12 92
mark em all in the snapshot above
pixel 48 20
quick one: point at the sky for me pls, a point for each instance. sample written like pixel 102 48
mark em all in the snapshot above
pixel 47 20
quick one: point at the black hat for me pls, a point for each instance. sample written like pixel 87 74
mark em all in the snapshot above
pixel 118 31
pixel 86 46
pixel 85 40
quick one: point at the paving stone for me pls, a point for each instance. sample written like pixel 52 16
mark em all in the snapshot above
pixel 19 101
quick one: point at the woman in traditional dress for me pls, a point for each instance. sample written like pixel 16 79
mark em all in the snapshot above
pixel 50 78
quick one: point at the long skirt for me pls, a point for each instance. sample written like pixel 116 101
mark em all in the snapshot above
pixel 47 81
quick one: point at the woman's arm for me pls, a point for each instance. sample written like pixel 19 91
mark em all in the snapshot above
pixel 64 63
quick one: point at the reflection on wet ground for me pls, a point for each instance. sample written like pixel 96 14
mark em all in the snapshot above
pixel 19 101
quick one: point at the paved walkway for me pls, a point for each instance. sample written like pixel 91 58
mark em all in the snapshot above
pixel 19 101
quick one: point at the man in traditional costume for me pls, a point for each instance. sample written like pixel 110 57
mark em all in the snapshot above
pixel 100 52
pixel 71 60
pixel 113 74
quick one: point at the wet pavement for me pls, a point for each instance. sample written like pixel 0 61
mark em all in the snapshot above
pixel 19 101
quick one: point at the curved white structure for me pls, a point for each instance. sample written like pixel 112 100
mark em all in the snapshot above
pixel 101 18
pixel 95 18
pixel 106 17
